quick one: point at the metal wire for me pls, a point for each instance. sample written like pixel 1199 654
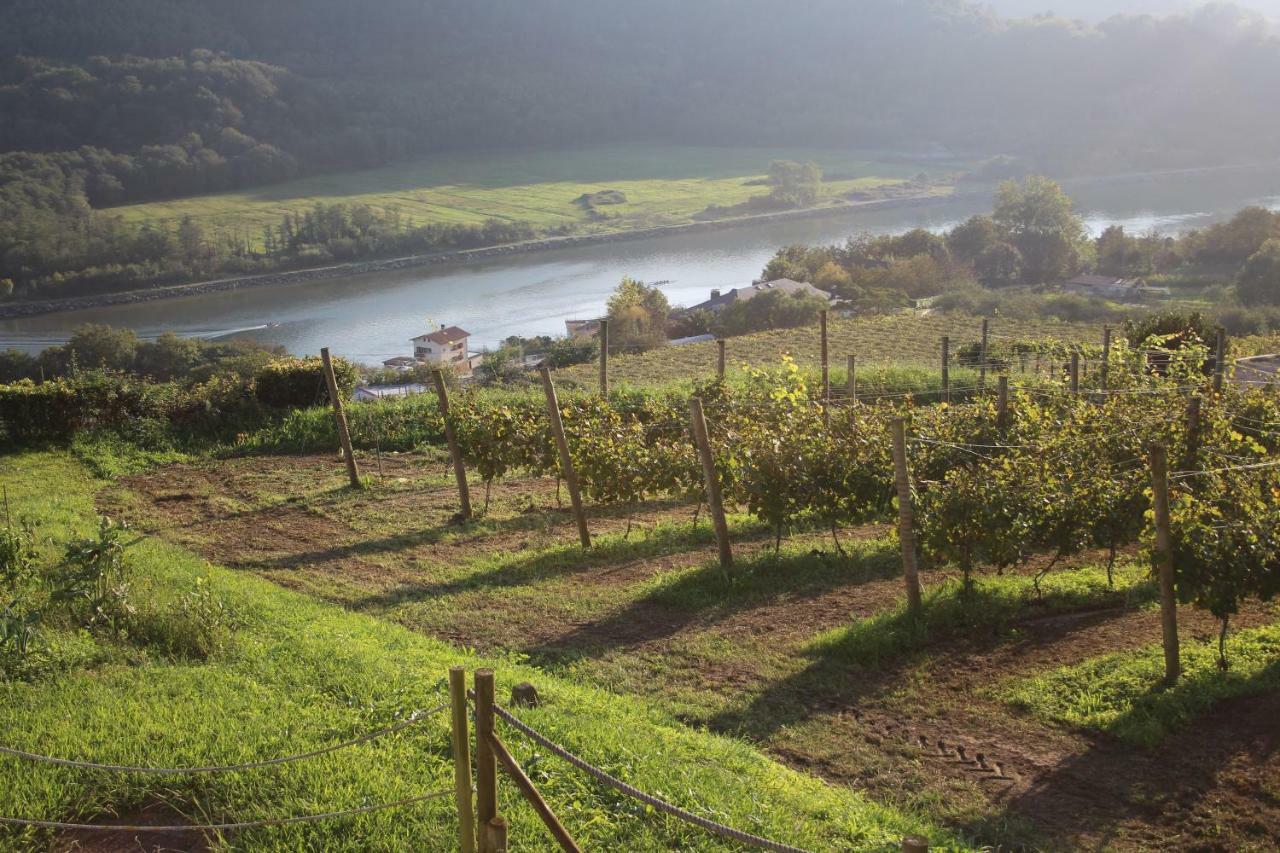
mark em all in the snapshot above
pixel 224 827
pixel 413 719
pixel 635 793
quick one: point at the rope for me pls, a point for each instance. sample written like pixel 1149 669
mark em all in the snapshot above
pixel 413 719
pixel 223 827
pixel 648 799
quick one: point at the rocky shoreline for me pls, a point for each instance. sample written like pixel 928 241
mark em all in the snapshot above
pixel 463 256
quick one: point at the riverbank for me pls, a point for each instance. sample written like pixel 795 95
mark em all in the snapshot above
pixel 464 256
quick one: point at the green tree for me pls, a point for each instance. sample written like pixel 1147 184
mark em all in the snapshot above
pixel 968 240
pixel 95 346
pixel 795 184
pixel 1037 218
pixel 1259 281
pixel 638 315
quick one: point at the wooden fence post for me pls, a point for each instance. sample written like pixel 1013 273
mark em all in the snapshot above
pixel 1106 356
pixel 982 369
pixel 340 416
pixel 720 359
pixel 712 480
pixel 851 378
pixel 486 762
pixel 1002 404
pixel 1164 563
pixel 451 439
pixel 604 358
pixel 946 369
pixel 462 758
pixel 1075 373
pixel 531 793
pixel 1220 360
pixel 906 522
pixel 566 461
pixel 1191 460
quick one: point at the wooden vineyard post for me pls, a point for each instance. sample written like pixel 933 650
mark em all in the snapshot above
pixel 1106 356
pixel 720 359
pixel 462 759
pixel 946 369
pixel 1075 373
pixel 1164 563
pixel 1002 404
pixel 566 461
pixel 604 358
pixel 1220 359
pixel 826 371
pixel 1191 461
pixel 530 792
pixel 486 763
pixel 982 368
pixel 906 523
pixel 712 480
pixel 851 378
pixel 451 439
pixel 340 416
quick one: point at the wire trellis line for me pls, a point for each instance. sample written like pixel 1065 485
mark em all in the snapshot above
pixel 412 720
pixel 225 827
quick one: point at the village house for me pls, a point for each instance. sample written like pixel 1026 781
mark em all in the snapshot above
pixel 446 347
pixel 1111 287
pixel 584 329
pixel 720 301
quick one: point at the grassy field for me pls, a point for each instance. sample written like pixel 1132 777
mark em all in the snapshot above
pixel 663 185
pixel 296 674
pixel 805 654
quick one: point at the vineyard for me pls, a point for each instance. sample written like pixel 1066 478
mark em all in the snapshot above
pixel 1025 700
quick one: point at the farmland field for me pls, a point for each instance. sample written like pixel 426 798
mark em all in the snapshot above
pixel 662 185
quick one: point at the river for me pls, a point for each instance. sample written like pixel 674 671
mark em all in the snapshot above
pixel 370 318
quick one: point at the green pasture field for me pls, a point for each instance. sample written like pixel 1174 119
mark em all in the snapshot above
pixel 663 185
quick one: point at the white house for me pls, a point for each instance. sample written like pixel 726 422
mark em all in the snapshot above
pixel 445 347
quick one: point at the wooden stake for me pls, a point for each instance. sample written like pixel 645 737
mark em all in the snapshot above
pixel 712 480
pixel 1106 356
pixel 486 761
pixel 526 786
pixel 1191 461
pixel 497 834
pixel 1164 563
pixel 451 439
pixel 720 359
pixel 1002 404
pixel 826 365
pixel 946 369
pixel 915 844
pixel 604 358
pixel 1220 360
pixel 982 368
pixel 1075 373
pixel 462 758
pixel 340 416
pixel 906 523
pixel 566 461
pixel 851 378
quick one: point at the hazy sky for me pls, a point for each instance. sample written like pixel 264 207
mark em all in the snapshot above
pixel 1094 10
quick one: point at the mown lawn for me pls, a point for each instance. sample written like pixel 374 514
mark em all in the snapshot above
pixel 663 185
pixel 297 674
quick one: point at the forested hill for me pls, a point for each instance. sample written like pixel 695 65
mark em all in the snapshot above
pixel 353 84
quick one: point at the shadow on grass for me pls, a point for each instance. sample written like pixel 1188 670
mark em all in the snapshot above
pixel 1094 794
pixel 704 595
pixel 848 663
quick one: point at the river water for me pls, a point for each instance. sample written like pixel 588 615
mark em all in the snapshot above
pixel 370 318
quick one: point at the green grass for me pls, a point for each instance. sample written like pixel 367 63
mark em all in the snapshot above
pixel 299 674
pixel 1123 694
pixel 992 604
pixel 663 185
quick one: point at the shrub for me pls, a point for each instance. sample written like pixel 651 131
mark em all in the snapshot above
pixel 297 383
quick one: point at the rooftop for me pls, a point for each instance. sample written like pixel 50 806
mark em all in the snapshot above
pixel 445 335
